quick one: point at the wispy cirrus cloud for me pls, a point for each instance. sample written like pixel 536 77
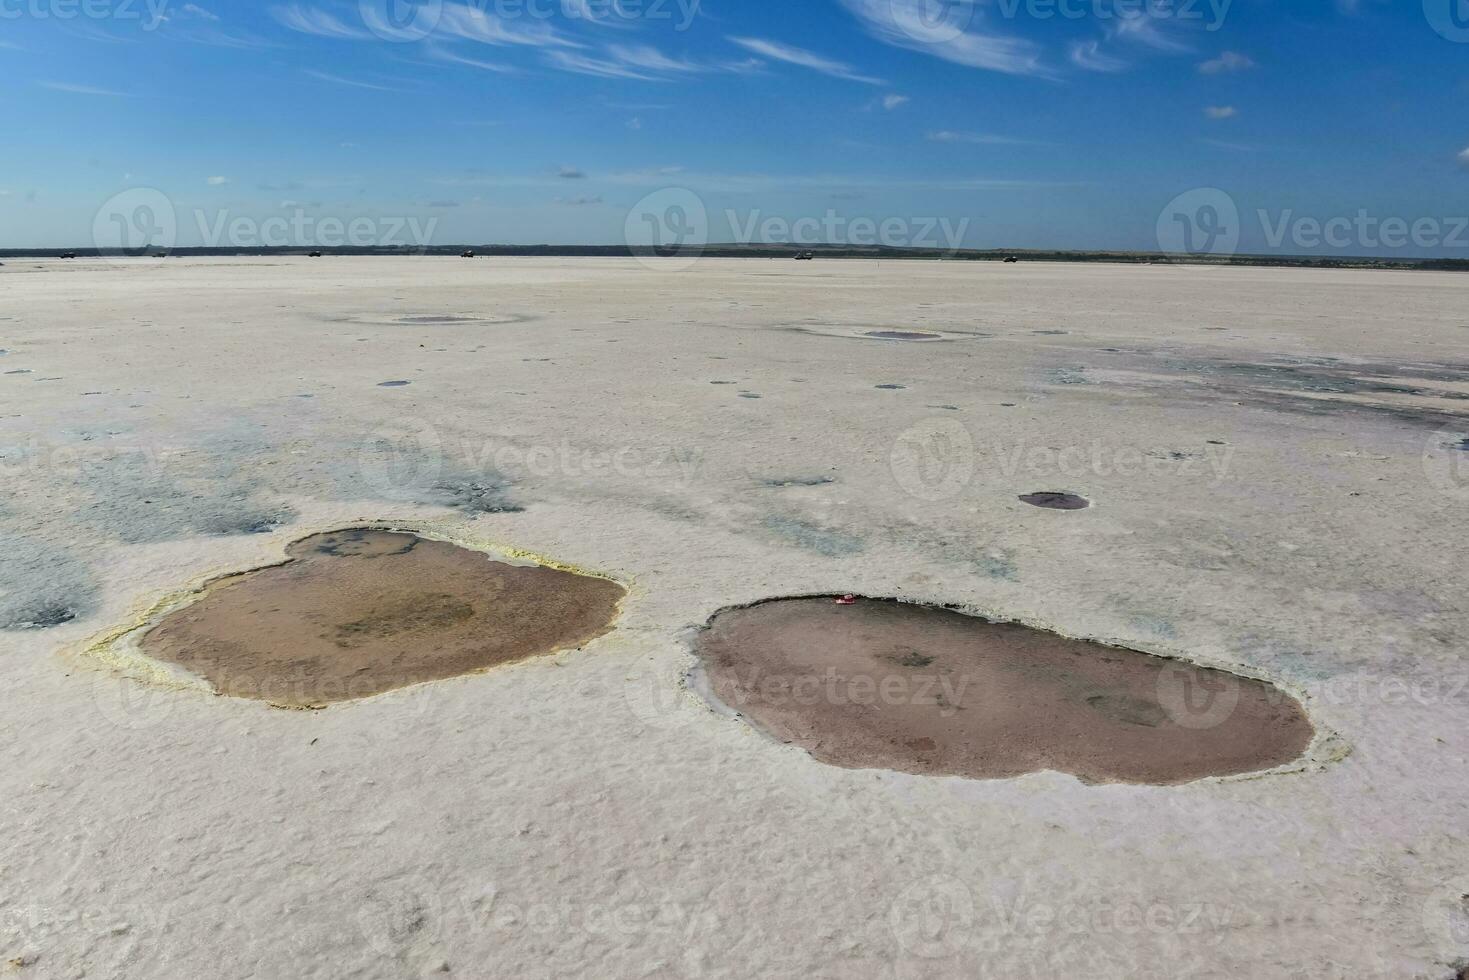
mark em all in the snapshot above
pixel 313 20
pixel 977 139
pixel 1143 30
pixel 581 64
pixel 776 51
pixel 1221 111
pixel 325 76
pixel 910 24
pixel 1088 55
pixel 648 57
pixel 461 23
pixel 1153 32
pixel 1228 61
pixel 450 57
pixel 75 89
pixel 195 25
pixel 479 25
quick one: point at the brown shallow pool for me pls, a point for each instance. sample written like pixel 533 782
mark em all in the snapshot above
pixel 359 612
pixel 876 684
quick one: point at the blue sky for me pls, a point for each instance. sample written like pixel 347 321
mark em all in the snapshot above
pixel 1023 123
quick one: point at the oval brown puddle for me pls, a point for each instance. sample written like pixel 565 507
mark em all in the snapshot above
pixel 358 612
pixel 1055 500
pixel 878 684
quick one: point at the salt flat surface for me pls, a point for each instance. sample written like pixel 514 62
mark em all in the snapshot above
pixel 1271 458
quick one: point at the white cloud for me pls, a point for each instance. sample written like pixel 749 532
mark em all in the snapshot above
pixel 218 181
pixel 776 51
pixel 598 67
pixel 475 24
pixel 1088 55
pixel 1230 146
pixel 443 54
pixel 571 173
pixel 638 61
pixel 909 24
pixel 1149 30
pixel 339 80
pixel 194 10
pixel 981 139
pixel 309 20
pixel 1227 61
pixel 81 89
pixel 891 102
pixel 1464 157
pixel 1221 111
pixel 649 57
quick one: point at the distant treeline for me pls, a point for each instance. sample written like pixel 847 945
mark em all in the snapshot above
pixel 783 252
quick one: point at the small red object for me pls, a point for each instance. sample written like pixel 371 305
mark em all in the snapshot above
pixel 847 600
